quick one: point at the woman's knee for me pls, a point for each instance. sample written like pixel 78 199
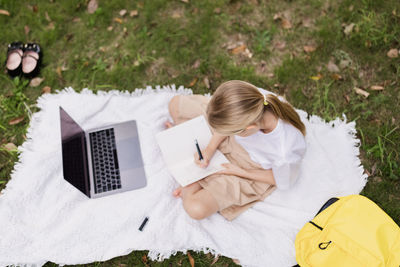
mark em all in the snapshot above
pixel 196 209
pixel 173 107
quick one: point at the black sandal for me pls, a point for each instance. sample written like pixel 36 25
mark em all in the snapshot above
pixel 13 63
pixel 31 60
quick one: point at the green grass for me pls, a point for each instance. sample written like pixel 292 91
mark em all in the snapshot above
pixel 161 44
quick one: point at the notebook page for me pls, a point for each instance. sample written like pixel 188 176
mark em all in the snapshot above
pixel 188 172
pixel 178 147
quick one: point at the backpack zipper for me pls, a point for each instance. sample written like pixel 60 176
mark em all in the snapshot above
pixel 319 227
pixel 323 245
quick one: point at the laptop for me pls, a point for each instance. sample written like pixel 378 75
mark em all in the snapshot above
pixel 101 161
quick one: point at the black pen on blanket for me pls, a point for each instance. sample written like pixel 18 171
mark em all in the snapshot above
pixel 198 149
pixel 143 223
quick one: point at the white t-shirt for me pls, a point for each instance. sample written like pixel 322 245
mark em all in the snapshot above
pixel 281 150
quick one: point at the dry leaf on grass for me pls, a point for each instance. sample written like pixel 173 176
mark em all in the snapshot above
pixel 133 13
pixel 238 49
pixel 58 71
pixel 191 260
pixel 347 98
pixel 308 22
pixel 27 29
pixel 286 24
pixel 92 6
pixel 316 78
pixel 230 45
pixel 345 63
pixel 280 45
pixel 185 1
pixel 118 20
pixel 247 53
pixel 309 48
pixel 360 91
pixel 332 67
pixel 51 26
pixel 46 90
pixel 176 14
pixel 110 28
pixel 348 28
pixel 217 10
pixel 10 147
pixel 215 259
pixel 35 82
pixel 206 82
pixel 144 258
pixel 123 12
pixel 196 64
pixel 393 53
pixel 47 17
pixel 4 12
pixel 337 77
pixel 193 82
pixel 277 16
pixel 16 120
pixel 377 87
pixel 172 72
pixel 373 169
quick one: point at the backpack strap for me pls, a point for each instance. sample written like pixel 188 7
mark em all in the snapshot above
pixel 327 204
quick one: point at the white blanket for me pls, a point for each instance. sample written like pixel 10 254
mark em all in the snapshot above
pixel 44 218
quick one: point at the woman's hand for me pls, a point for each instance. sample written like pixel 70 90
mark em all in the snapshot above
pixel 207 155
pixel 231 169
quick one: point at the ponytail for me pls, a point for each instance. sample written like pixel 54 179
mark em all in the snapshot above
pixel 284 111
pixel 237 104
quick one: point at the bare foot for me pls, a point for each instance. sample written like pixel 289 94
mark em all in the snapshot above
pixel 168 124
pixel 177 192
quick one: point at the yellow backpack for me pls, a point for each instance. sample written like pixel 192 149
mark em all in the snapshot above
pixel 349 231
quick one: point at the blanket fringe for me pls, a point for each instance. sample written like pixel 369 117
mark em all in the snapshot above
pixel 351 136
pixel 162 255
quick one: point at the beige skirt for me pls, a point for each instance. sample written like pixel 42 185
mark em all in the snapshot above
pixel 233 194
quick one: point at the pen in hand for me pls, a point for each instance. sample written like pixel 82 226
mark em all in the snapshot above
pixel 198 149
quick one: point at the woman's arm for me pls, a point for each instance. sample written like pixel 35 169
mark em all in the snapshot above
pixel 264 176
pixel 215 141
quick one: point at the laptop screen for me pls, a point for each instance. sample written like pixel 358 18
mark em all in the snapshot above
pixel 74 155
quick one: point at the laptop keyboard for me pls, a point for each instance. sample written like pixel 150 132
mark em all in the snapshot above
pixel 105 161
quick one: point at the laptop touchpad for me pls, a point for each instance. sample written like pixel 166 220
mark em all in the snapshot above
pixel 129 156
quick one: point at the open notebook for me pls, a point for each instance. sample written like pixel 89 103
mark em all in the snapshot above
pixel 178 147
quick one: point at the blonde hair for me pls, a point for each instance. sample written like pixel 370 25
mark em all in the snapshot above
pixel 237 104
